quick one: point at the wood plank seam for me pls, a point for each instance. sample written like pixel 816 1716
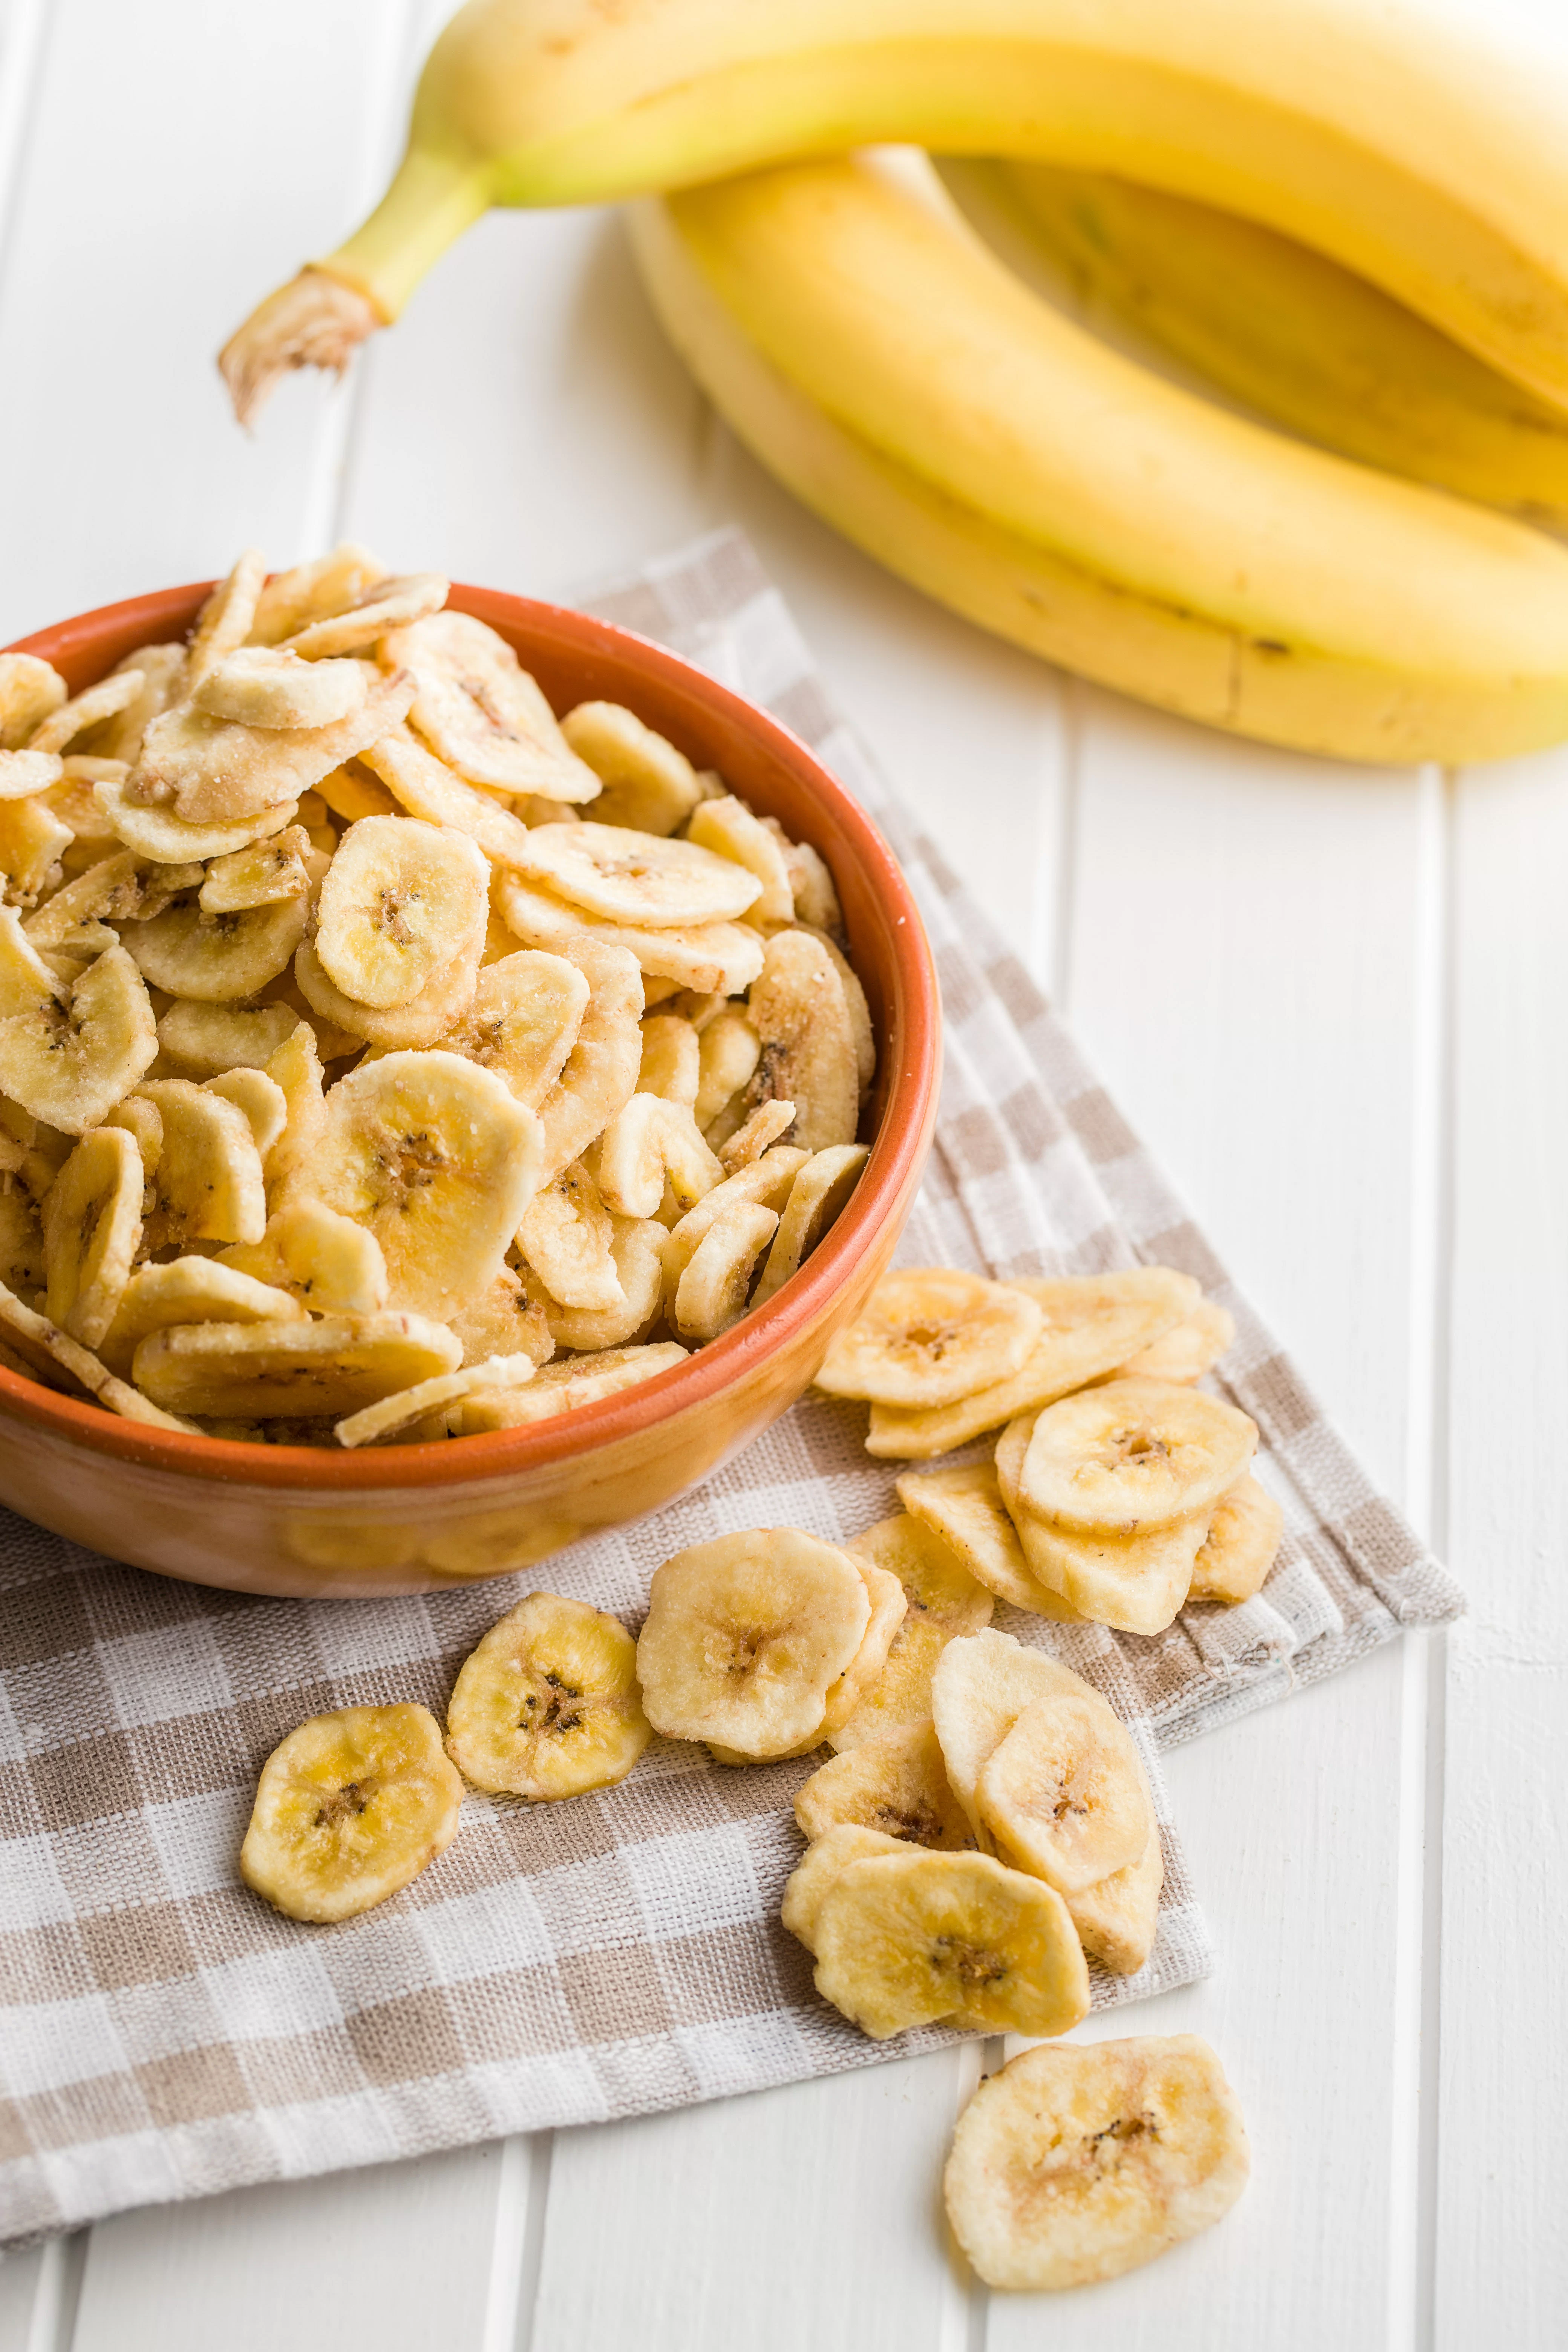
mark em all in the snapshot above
pixel 22 61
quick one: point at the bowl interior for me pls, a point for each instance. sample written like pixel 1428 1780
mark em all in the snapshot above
pixel 577 659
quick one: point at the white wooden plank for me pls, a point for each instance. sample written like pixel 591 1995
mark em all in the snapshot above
pixel 397 2255
pixel 802 2216
pixel 1501 2261
pixel 181 160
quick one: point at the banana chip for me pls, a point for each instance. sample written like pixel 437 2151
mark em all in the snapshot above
pixel 766 1182
pixel 386 606
pixel 225 620
pixel 563 1386
pixel 890 1606
pixel 260 876
pixel 326 1262
pixel 207 1184
pixel 567 1234
pixel 1064 1796
pixel 815 1198
pixel 350 1807
pixel 729 1050
pixel 671 1060
pixel 527 1012
pixel 1135 1583
pixel 825 1859
pixel 342 1024
pixel 896 1783
pixel 1186 1351
pixel 760 1129
pixel 437 1159
pixel 161 669
pixel 728 828
pixel 189 1291
pixel 746 1636
pixel 1091 1323
pixel 21 1266
pixel 713 1289
pixel 982 1684
pixel 642 879
pixel 1133 1455
pixel 311 1371
pixel 261 686
pixel 722 957
pixel 941 1602
pixel 313 592
pixel 647 1143
pixel 261 1099
pixel 110 696
pixel 1118 1918
pixel 402 902
pixel 966 1510
pixel 295 1064
pixel 156 832
pixel 417 1411
pixel 29 690
pixel 425 787
pixel 646 784
pixel 481 712
pixel 1240 1547
pixel 547 1705
pixel 799 1011
pixel 600 1074
pixel 1077 2164
pixel 929 1336
pixel 92 1230
pixel 215 959
pixel 502 1321
pixel 215 769
pixel 50 1355
pixel 25 773
pixel 70 1061
pixel 902 1940
pixel 32 841
pixel 636 1252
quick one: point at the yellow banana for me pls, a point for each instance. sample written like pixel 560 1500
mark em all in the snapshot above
pixel 878 357
pixel 1372 135
pixel 1284 330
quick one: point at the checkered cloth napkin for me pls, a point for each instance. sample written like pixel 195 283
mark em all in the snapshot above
pixel 166 2036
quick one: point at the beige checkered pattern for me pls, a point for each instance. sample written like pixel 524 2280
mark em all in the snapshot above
pixel 166 2036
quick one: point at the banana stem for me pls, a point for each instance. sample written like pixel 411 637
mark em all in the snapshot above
pixel 321 318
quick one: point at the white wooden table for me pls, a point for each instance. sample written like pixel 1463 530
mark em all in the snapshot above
pixel 1333 1002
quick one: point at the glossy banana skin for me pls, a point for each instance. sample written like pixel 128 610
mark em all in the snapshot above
pixel 881 360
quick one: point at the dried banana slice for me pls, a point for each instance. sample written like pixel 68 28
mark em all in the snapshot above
pixel 671 1059
pixel 313 592
pixel 351 791
pixel 32 841
pixel 160 668
pixel 73 800
pixel 638 877
pixel 348 1809
pixel 438 1159
pixel 1076 2164
pixel 309 1369
pixel 1064 1794
pixel 547 1706
pixel 890 1606
pixel 70 1062
pixel 1186 1351
pixel 225 620
pixel 207 1184
pixel 502 1321
pixel 561 1387
pixel 296 1066
pixel 215 770
pixel 215 959
pixel 261 876
pixel 567 1235
pixel 1091 1323
pixel 758 1132
pixel 22 1266
pixel 26 980
pixel 386 606
pixel 261 686
pixel 92 1230
pixel 156 832
pixel 816 906
pixel 402 902
pixel 29 690
pixel 766 1181
pixel 722 958
pixel 929 1336
pixel 647 784
pixel 1133 1455
pixel 824 1859
pixel 477 707
pixel 729 1050
pixel 982 1684
pixel 1119 1918
pixel 120 887
pixel 904 1939
pixel 896 1783
pixel 1136 1583
pixel 713 1290
pixel 326 1262
pixel 817 1197
pixel 637 1250
pixel 860 1010
pixel 41 1350
pixel 425 787
pixel 941 1601
pixel 1240 1547
pixel 600 1072
pixel 261 1099
pixel 342 1024
pixel 401 1415
pixel 798 1010
pixel 648 1142
pixel 730 829
pixel 746 1636
pixel 105 701
pixel 189 1291
pixel 965 1507
pixel 23 774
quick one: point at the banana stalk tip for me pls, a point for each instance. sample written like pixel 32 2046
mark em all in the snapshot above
pixel 316 321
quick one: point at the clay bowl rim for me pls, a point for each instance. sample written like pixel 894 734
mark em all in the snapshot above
pixel 899 1144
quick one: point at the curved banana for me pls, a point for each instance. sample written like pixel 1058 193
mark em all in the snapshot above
pixel 878 358
pixel 1282 328
pixel 1375 135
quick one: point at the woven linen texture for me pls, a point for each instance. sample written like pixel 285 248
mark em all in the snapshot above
pixel 166 2036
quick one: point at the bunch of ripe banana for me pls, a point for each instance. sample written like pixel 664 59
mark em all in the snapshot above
pixel 1345 219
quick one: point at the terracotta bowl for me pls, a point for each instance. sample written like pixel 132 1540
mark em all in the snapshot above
pixel 302 1521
